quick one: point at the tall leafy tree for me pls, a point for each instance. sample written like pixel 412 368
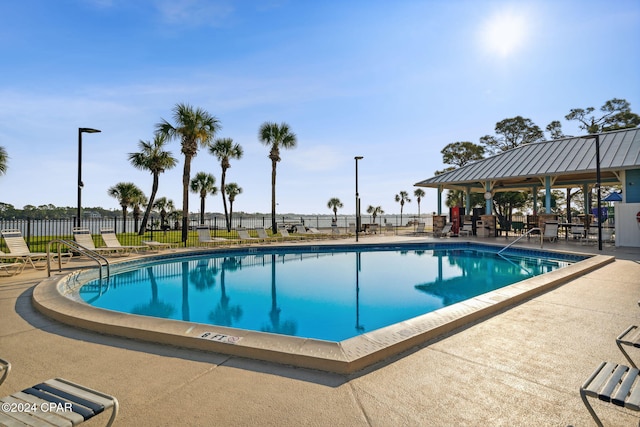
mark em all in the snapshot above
pixel 233 190
pixel 4 158
pixel 225 150
pixel 616 114
pixel 460 154
pixel 276 137
pixel 512 133
pixel 402 198
pixel 203 184
pixel 555 130
pixel 128 195
pixel 334 204
pixel 152 157
pixel 193 127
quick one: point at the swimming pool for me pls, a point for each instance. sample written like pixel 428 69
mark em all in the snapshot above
pixel 60 298
pixel 328 294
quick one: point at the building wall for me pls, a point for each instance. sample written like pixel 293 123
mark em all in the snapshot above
pixel 632 186
pixel 627 226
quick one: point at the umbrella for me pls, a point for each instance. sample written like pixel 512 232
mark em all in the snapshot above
pixel 613 197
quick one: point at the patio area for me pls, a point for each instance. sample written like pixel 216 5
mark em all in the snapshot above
pixel 522 366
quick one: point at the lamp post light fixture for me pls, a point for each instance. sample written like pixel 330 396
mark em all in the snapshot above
pixel 80 184
pixel 357 198
pixel 598 180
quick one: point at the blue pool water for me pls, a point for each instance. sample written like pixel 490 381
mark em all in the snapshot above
pixel 332 293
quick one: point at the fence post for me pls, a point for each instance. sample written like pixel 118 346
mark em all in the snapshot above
pixel 28 230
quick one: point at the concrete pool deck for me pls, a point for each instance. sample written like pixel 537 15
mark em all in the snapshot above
pixel 521 366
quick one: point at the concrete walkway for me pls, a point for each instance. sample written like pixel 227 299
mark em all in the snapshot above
pixel 521 367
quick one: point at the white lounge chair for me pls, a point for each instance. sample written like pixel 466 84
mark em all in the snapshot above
pixel 577 231
pixel 243 234
pixel 83 238
pixel 157 245
pixel 18 248
pixel 204 237
pixel 111 241
pixel 466 230
pixel 262 234
pixel 11 265
pixel 59 402
pixel 550 231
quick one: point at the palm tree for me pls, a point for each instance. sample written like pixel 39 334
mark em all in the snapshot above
pixel 135 204
pixel 419 194
pixel 232 189
pixel 193 127
pixel 224 149
pixel 374 211
pixel 402 198
pixel 203 183
pixel 127 194
pixel 164 206
pixel 3 160
pixel 153 158
pixel 334 204
pixel 276 136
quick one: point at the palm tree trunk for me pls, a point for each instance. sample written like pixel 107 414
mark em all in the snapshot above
pixel 147 211
pixel 124 219
pixel 224 199
pixel 274 227
pixel 202 209
pixel 186 176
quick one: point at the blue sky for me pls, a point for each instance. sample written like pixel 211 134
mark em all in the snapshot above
pixel 391 81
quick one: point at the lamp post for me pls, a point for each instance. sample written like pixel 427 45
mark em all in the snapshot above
pixel 357 198
pixel 597 138
pixel 80 184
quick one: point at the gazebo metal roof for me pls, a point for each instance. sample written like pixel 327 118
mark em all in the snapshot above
pixel 569 162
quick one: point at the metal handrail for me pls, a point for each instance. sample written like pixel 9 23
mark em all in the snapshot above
pixel 525 234
pixel 79 248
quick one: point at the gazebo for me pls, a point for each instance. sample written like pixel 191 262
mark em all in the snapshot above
pixel 561 163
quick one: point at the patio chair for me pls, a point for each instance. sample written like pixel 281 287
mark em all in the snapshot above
pixel 18 247
pixel 285 234
pixel 550 231
pixel 577 231
pixel 5 368
pixel 82 237
pixel 352 228
pixel 466 230
pixel 517 227
pixel 446 230
pixel 111 241
pixel 204 237
pixel 59 402
pixel 420 228
pixel 612 383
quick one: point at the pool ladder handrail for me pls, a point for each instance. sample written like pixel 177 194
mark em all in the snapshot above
pixel 78 248
pixel 525 234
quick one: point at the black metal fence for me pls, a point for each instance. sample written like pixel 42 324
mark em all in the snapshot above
pixel 38 232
